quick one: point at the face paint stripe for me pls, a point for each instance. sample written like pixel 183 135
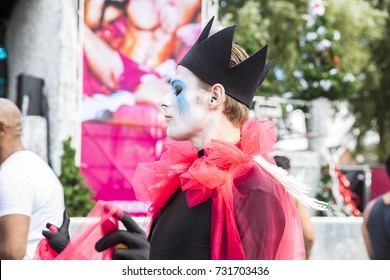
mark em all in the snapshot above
pixel 181 100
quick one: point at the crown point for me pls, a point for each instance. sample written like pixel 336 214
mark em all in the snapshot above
pixel 206 31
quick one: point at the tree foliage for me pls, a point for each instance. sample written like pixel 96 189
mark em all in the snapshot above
pixel 321 71
pixel 78 196
pixel 362 49
pixel 277 23
pixel 371 107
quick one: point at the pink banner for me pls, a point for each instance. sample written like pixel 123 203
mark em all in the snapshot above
pixel 130 50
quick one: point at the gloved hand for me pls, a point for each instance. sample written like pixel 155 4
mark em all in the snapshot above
pixel 134 239
pixel 58 237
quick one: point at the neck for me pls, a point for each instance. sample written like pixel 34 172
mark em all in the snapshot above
pixel 221 129
pixel 8 150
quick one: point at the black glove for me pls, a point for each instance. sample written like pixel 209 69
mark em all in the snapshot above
pixel 134 238
pixel 59 238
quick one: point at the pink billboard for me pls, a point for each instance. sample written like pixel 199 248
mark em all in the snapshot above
pixel 130 52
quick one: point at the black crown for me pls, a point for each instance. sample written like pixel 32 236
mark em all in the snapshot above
pixel 209 59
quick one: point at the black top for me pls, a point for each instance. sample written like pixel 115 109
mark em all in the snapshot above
pixel 378 226
pixel 180 232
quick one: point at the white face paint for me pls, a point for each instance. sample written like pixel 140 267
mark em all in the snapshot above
pixel 186 107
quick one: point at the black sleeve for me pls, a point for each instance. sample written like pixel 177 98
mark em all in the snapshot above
pixel 259 217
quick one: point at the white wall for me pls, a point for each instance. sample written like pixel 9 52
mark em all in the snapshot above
pixel 42 41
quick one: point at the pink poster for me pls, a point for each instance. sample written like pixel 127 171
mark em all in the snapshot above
pixel 130 52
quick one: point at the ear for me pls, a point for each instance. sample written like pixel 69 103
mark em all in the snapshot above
pixel 2 129
pixel 217 95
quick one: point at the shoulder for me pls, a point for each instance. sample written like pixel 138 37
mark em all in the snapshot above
pixel 368 209
pixel 255 179
pixel 23 171
pixel 21 158
pixel 25 161
pixel 386 198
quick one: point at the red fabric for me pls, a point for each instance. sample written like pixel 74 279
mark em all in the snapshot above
pixel 100 221
pixel 44 251
pixel 351 199
pixel 380 182
pixel 215 175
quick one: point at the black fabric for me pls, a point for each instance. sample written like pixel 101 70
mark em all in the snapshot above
pixel 133 237
pixel 180 232
pixel 378 226
pixel 209 59
pixel 58 240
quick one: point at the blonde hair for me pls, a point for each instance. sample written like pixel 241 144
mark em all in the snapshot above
pixel 236 112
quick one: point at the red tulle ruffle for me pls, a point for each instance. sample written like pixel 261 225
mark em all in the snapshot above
pixel 213 176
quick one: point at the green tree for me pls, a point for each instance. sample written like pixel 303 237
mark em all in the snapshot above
pixel 362 51
pixel 78 196
pixel 321 71
pixel 362 25
pixel 277 23
pixel 341 201
pixel 371 107
pixel 325 193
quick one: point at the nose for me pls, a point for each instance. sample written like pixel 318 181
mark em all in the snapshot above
pixel 164 102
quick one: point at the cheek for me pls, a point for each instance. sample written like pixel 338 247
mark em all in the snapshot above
pixel 182 103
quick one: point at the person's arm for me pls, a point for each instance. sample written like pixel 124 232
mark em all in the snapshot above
pixel 366 237
pixel 13 236
pixel 307 228
pixel 98 54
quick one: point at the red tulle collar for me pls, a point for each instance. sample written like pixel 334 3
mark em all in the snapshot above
pixel 180 165
pixel 208 176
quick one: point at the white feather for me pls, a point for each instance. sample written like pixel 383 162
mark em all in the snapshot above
pixel 294 185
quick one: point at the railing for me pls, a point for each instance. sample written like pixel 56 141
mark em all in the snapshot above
pixel 337 238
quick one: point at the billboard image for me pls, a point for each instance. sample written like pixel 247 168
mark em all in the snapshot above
pixel 130 52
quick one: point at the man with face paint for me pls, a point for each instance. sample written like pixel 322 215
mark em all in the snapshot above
pixel 216 192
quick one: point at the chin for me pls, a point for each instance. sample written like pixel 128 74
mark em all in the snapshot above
pixel 178 136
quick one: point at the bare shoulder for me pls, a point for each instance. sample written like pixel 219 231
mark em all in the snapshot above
pixel 367 209
pixel 386 198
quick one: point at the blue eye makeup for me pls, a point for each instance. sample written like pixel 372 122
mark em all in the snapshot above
pixel 179 89
pixel 178 86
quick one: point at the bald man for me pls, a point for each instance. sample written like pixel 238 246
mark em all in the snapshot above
pixel 30 192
